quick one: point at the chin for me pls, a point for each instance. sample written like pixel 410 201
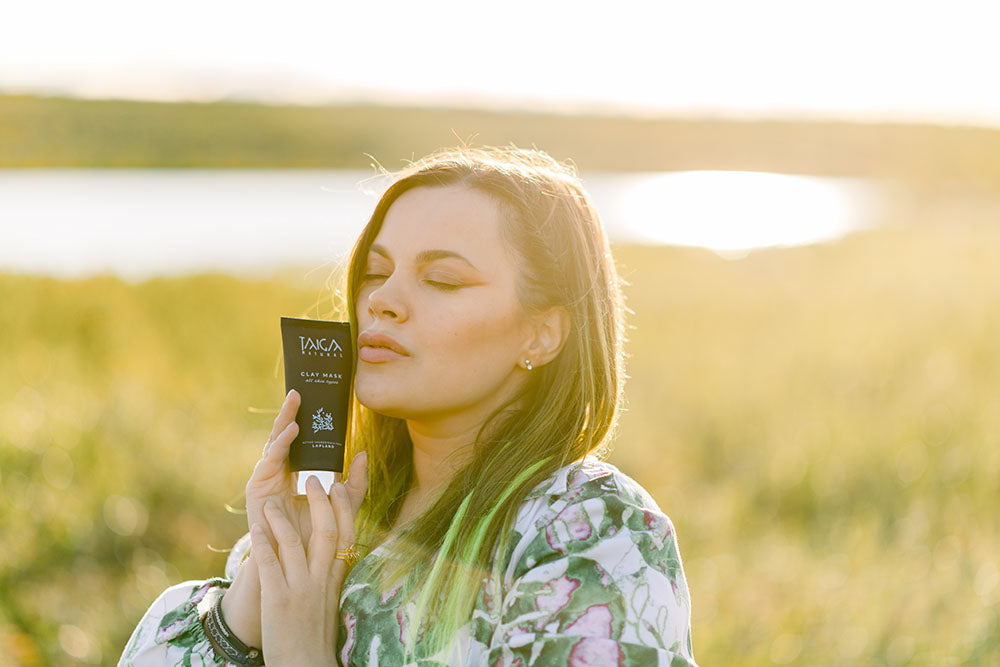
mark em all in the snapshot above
pixel 377 402
pixel 393 411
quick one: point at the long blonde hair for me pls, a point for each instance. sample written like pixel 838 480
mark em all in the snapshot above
pixel 570 405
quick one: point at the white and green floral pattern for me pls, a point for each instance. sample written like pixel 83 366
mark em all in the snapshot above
pixel 592 577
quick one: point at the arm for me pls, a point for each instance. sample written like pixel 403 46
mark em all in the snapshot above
pixel 171 633
pixel 241 603
pixel 600 583
pixel 171 630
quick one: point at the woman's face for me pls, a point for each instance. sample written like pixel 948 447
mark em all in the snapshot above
pixel 440 285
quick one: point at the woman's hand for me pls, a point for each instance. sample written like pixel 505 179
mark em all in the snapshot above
pixel 300 586
pixel 272 480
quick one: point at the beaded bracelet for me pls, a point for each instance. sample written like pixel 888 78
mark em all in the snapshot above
pixel 225 643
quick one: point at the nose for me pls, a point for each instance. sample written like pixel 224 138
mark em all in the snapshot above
pixel 385 302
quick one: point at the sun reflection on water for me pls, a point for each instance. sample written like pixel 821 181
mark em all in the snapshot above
pixel 733 212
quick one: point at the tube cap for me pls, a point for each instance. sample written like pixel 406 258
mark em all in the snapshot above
pixel 325 478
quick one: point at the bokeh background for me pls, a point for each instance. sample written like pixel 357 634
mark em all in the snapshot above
pixel 804 200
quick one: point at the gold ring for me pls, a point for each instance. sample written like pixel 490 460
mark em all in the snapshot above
pixel 350 555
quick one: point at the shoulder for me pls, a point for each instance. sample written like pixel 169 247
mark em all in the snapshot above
pixel 595 558
pixel 592 508
pixel 589 475
pixel 594 483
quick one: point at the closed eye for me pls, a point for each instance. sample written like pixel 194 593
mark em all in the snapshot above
pixel 447 287
pixel 436 284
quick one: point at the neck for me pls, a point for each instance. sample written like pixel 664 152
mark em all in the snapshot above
pixel 439 450
pixel 442 443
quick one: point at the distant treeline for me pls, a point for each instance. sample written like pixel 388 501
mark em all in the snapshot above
pixel 63 132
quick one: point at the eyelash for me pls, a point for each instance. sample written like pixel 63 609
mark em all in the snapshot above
pixel 444 287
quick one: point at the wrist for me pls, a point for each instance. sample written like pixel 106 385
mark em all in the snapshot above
pixel 240 605
pixel 225 644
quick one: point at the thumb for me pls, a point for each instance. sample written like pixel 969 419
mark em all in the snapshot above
pixel 357 480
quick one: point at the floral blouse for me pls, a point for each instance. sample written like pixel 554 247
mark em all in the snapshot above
pixel 594 578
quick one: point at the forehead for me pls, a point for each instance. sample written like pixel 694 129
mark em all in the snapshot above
pixel 453 217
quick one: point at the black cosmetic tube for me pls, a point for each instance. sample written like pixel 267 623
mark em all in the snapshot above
pixel 319 364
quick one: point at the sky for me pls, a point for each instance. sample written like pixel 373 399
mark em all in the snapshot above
pixel 874 60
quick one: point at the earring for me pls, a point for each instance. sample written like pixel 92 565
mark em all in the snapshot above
pixel 527 364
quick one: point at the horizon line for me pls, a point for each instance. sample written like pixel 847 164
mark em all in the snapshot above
pixel 511 104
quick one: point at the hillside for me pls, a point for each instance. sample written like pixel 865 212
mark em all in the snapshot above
pixel 63 132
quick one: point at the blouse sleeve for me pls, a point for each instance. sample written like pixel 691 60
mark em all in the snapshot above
pixel 600 583
pixel 170 632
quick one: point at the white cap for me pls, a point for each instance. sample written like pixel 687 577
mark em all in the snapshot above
pixel 325 478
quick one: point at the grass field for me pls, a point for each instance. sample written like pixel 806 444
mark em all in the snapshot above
pixel 820 423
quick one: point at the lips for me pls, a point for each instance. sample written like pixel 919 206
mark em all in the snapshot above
pixel 376 340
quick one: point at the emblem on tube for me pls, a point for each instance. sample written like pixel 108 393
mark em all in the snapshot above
pixel 322 421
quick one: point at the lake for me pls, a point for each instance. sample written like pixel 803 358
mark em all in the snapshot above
pixel 140 223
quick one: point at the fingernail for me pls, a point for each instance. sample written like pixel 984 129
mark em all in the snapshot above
pixel 256 529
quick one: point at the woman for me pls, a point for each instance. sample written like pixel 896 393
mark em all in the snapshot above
pixel 489 373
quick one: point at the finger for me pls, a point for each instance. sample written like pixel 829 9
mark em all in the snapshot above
pixel 261 521
pixel 268 471
pixel 357 480
pixel 323 541
pixel 282 440
pixel 286 414
pixel 276 450
pixel 291 553
pixel 344 515
pixel 255 508
pixel 267 561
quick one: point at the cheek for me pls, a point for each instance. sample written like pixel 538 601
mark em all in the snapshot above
pixel 361 308
pixel 484 334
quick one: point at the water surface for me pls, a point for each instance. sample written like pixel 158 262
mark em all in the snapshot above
pixel 139 223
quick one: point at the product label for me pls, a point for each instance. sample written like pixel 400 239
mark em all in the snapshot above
pixel 320 347
pixel 319 365
pixel 321 377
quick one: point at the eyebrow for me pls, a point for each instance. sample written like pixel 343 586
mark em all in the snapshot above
pixel 425 256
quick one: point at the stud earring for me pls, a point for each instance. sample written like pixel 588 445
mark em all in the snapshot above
pixel 527 364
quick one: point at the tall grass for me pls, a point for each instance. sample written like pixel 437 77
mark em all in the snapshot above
pixel 820 423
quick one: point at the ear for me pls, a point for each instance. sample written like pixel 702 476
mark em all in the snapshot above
pixel 547 335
